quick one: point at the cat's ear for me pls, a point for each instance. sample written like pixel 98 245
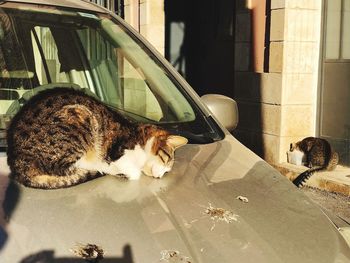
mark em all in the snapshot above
pixel 293 146
pixel 176 141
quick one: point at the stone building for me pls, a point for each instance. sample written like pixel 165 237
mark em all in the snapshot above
pixel 286 63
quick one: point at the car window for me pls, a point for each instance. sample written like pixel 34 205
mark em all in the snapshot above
pixel 48 57
pixel 122 84
pixel 42 48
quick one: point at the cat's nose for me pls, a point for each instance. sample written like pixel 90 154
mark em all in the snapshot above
pixel 159 170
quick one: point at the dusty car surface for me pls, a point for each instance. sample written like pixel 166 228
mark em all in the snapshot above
pixel 220 202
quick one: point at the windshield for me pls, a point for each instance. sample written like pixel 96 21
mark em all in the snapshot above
pixel 44 48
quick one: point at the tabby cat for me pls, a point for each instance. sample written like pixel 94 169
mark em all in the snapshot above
pixel 62 137
pixel 319 156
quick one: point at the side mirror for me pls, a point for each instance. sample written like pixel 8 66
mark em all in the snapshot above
pixel 223 108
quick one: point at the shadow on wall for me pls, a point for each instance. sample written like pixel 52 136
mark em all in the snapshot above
pixel 221 47
pixel 252 39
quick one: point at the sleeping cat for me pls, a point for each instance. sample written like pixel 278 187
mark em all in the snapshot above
pixel 319 156
pixel 62 137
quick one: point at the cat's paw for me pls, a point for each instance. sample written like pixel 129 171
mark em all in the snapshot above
pixel 156 171
pixel 158 176
pixel 134 175
pixel 128 169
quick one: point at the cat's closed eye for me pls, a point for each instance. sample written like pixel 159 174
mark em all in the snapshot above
pixel 164 156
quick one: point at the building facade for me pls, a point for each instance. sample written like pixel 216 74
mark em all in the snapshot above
pixel 286 63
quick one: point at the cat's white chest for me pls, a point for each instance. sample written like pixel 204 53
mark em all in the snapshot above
pixel 131 163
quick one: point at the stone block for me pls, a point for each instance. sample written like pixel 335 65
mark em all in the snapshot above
pixel 249 116
pixel 144 30
pixel 271 118
pixel 302 25
pixel 271 145
pixel 152 23
pixel 297 120
pixel 259 117
pixel 303 4
pixel 155 10
pixel 276 57
pixel 267 146
pixel 271 88
pixel 248 86
pixel 127 14
pixel 297 4
pixel 300 57
pixel 259 87
pixel 242 56
pixel 155 35
pixel 277 4
pixel 299 88
pixel 143 14
pixel 243 27
pixel 278 25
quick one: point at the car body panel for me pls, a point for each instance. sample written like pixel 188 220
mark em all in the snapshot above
pixel 141 220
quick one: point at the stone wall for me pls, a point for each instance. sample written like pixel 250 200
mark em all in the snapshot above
pixel 147 17
pixel 278 106
pixel 275 78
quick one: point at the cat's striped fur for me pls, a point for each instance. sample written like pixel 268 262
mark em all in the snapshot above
pixel 62 137
pixel 319 156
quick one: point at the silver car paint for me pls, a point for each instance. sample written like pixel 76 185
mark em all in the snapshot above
pixel 140 220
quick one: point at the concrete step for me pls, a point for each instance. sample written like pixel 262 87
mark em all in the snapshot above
pixel 336 181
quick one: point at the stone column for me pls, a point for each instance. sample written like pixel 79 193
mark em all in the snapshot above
pixel 294 60
pixel 147 17
pixel 278 104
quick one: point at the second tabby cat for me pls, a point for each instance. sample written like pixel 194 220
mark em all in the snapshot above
pixel 319 156
pixel 62 137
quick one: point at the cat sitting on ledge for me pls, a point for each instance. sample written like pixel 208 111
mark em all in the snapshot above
pixel 319 156
pixel 62 137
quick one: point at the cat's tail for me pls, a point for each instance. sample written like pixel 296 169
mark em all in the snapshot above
pixel 301 179
pixel 333 161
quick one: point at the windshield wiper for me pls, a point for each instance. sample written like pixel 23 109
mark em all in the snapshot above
pixel 192 137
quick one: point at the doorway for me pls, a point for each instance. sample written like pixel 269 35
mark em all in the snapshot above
pixel 334 96
pixel 199 43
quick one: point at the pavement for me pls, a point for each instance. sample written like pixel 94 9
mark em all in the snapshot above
pixel 336 204
pixel 336 181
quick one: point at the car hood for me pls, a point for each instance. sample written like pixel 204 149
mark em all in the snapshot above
pixel 220 203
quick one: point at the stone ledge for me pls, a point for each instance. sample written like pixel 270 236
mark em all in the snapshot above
pixel 336 181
